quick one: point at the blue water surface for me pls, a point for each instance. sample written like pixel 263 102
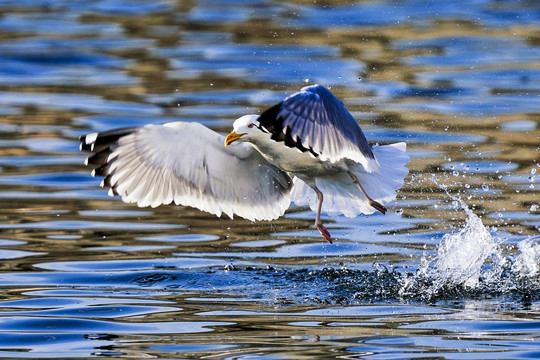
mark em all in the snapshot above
pixel 452 271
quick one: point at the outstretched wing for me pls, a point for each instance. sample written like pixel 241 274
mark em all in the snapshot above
pixel 187 163
pixel 314 120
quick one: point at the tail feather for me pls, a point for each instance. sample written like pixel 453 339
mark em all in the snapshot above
pixel 383 184
pixel 342 196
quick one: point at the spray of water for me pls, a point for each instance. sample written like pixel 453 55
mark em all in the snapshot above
pixel 527 262
pixel 461 255
pixel 475 260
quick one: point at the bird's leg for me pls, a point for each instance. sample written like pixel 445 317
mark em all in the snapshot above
pixel 378 206
pixel 318 224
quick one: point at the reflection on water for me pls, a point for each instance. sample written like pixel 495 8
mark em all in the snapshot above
pixel 453 267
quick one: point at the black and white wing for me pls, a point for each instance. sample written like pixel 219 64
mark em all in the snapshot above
pixel 188 164
pixel 314 120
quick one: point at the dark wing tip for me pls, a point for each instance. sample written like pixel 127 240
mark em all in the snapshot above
pixel 100 145
pixel 270 119
pixel 97 142
pixel 273 122
pixel 83 146
pixel 98 159
pixel 102 170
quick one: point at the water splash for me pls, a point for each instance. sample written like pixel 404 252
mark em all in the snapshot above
pixel 461 255
pixel 473 261
pixel 527 262
pixel 468 258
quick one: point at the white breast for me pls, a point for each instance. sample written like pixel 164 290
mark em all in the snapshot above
pixel 292 159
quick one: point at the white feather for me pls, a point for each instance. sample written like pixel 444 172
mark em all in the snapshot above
pixel 187 163
pixel 342 197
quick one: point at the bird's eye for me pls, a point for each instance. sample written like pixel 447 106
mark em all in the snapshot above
pixel 250 125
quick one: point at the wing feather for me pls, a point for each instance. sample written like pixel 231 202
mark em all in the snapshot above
pixel 186 163
pixel 314 119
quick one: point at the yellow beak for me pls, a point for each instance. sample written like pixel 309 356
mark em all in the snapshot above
pixel 232 137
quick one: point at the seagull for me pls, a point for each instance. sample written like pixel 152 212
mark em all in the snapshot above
pixel 307 149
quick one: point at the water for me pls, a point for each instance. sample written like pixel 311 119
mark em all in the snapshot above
pixel 451 272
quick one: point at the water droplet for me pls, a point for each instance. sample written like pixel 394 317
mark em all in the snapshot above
pixel 399 211
pixel 485 187
pixel 533 207
pixel 531 179
pixel 467 186
pixel 533 171
pixel 306 80
pixel 455 173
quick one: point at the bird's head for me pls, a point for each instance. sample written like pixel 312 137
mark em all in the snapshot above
pixel 243 129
